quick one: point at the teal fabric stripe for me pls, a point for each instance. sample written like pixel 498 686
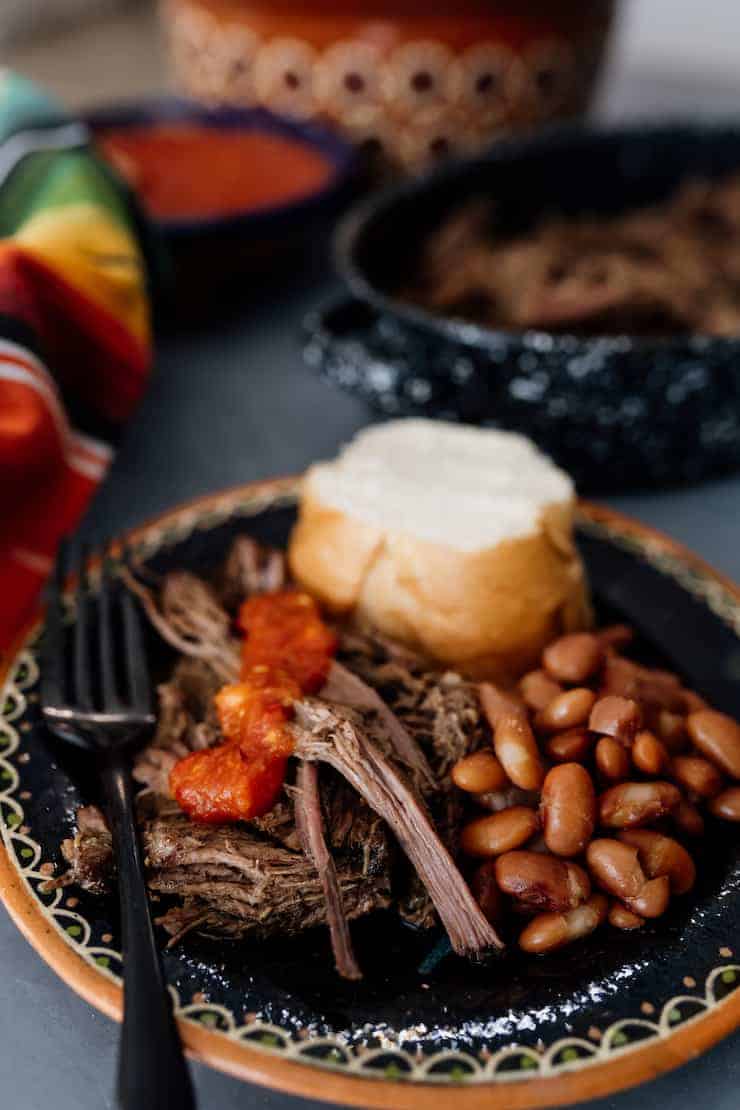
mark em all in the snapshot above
pixel 23 106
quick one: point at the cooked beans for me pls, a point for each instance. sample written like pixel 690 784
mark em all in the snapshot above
pixel 496 800
pixel 654 689
pixel 671 729
pixel 568 809
pixel 649 755
pixel 538 689
pixel 549 931
pixel 573 659
pixel 662 855
pixel 479 773
pixel 572 746
pixel 622 918
pixel 653 899
pixel 612 759
pixel 499 832
pixel 616 868
pixel 727 804
pixel 630 804
pixel 660 755
pixel 513 739
pixel 616 716
pixel 566 711
pixel 616 636
pixel 717 737
pixel 696 775
pixel 486 892
pixel 542 882
pixel 687 819
pixel 693 702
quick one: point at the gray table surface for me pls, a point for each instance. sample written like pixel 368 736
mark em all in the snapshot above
pixel 227 405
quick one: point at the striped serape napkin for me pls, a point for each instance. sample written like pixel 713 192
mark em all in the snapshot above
pixel 75 342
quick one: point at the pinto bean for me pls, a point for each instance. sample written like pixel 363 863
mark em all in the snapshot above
pixel 566 711
pixel 496 800
pixel 573 658
pixel 498 832
pixel 727 804
pixel 542 882
pixel 687 819
pixel 616 637
pixel 616 868
pixel 622 918
pixel 568 809
pixel 479 773
pixel 671 729
pixel 717 737
pixel 696 775
pixel 549 931
pixel 538 689
pixel 612 759
pixel 693 702
pixel 662 855
pixel 631 804
pixel 651 688
pixel 616 716
pixel 649 755
pixel 653 899
pixel 572 746
pixel 513 739
pixel 486 892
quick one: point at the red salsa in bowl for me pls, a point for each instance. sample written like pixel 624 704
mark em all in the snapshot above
pixel 186 170
pixel 234 195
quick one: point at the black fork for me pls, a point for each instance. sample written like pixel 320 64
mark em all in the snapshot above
pixel 96 694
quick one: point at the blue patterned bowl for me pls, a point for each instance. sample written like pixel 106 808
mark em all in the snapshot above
pixel 616 411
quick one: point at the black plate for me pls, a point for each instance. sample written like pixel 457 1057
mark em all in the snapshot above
pixel 419 1013
pixel 615 411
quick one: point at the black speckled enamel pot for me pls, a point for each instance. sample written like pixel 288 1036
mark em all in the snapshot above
pixel 616 411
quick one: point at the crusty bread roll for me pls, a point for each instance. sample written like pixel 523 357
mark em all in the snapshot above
pixel 456 541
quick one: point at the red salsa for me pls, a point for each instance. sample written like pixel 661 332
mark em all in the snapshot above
pixel 287 652
pixel 183 170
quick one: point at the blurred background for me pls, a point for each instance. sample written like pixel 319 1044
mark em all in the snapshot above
pixel 665 52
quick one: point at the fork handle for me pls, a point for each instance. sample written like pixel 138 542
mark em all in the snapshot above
pixel 152 1072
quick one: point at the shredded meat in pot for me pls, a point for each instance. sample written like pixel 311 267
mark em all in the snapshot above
pixel 670 268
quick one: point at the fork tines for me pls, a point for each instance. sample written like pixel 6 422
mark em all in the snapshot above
pixel 94 673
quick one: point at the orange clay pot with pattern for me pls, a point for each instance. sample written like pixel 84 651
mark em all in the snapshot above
pixel 414 81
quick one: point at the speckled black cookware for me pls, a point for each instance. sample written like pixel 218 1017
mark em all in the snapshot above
pixel 616 411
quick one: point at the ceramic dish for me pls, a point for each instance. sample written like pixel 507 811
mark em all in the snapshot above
pixel 413 81
pixel 520 1032
pixel 256 240
pixel 614 411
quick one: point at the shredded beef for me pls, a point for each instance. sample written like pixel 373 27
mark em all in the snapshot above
pixel 670 268
pixel 334 735
pixel 388 729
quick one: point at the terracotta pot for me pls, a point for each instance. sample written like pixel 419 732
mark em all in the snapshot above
pixel 415 81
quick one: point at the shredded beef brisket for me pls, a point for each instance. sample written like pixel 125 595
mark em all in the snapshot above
pixel 387 727
pixel 331 734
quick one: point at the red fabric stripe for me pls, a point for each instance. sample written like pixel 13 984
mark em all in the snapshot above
pixel 37 525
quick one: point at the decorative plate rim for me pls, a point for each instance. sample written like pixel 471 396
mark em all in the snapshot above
pixel 608 1066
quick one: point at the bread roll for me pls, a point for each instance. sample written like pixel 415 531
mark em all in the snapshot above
pixel 456 541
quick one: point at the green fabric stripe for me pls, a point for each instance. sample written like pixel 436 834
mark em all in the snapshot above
pixel 53 179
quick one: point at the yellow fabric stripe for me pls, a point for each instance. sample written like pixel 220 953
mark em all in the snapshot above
pixel 96 255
